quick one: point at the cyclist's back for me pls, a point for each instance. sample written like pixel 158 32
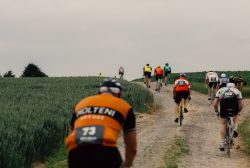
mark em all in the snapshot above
pixel 181 90
pixel 158 72
pixel 96 124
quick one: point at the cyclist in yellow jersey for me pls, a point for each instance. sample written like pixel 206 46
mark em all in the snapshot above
pixel 96 124
pixel 147 70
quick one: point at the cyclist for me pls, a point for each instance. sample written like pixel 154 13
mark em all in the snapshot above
pixel 223 80
pixel 96 124
pixel 230 98
pixel 121 72
pixel 181 90
pixel 238 81
pixel 167 72
pixel 147 70
pixel 158 72
pixel 211 81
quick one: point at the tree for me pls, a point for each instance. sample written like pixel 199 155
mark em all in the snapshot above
pixel 9 74
pixel 32 70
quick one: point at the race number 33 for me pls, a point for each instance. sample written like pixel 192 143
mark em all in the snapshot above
pixel 89 134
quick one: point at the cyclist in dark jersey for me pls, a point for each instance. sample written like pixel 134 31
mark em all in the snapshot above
pixel 96 124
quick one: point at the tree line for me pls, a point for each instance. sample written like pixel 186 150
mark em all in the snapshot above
pixel 31 70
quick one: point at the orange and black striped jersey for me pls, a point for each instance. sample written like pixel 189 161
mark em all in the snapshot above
pixel 99 120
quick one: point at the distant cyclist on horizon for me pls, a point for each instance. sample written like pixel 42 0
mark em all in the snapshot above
pixel 167 72
pixel 211 80
pixel 121 72
pixel 158 72
pixel 147 70
pixel 230 99
pixel 181 90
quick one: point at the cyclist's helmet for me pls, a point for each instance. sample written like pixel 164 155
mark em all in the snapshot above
pixel 182 75
pixel 223 75
pixel 112 86
pixel 166 64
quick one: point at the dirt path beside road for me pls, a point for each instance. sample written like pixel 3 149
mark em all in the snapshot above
pixel 157 130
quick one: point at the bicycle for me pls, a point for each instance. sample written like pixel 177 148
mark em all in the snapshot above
pixel 181 111
pixel 229 133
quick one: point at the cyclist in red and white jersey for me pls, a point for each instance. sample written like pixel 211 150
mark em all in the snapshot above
pixel 211 81
pixel 181 90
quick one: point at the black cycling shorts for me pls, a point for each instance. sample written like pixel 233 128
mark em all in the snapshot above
pixel 167 73
pixel 147 74
pixel 212 84
pixel 158 77
pixel 225 113
pixel 94 156
pixel 179 95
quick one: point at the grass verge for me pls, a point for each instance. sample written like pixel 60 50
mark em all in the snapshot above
pixel 177 149
pixel 244 130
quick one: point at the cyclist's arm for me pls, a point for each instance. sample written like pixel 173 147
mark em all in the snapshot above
pixel 130 139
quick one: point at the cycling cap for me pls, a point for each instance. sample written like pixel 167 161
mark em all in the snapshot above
pixel 166 64
pixel 110 85
pixel 183 74
pixel 223 75
pixel 230 85
pixel 147 64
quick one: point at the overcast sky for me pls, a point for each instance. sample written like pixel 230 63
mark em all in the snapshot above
pixel 85 37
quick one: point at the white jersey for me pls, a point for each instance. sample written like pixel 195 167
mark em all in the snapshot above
pixel 225 91
pixel 212 77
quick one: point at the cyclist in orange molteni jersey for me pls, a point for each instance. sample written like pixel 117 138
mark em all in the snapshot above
pixel 181 90
pixel 96 124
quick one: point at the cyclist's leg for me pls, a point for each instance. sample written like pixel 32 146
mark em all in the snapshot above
pixel 149 79
pixel 209 90
pixel 186 100
pixel 157 82
pixel 235 124
pixel 223 125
